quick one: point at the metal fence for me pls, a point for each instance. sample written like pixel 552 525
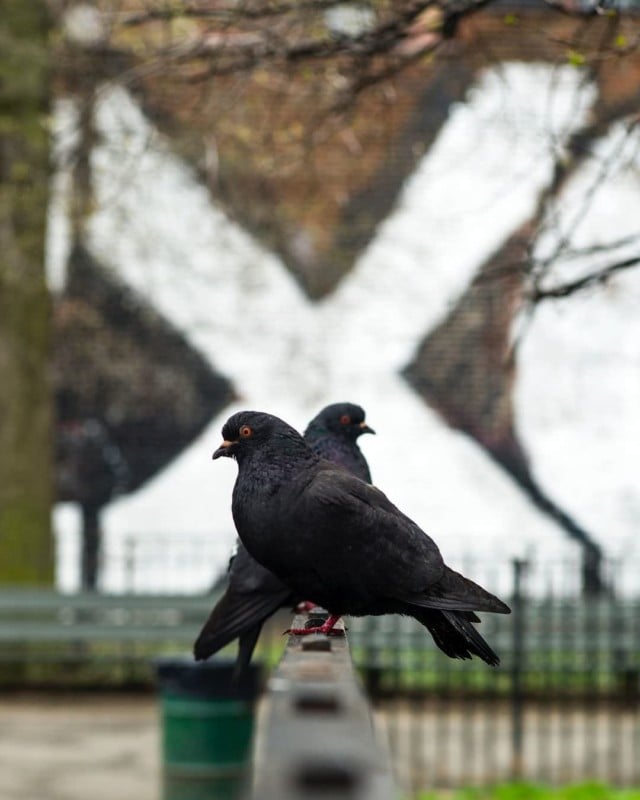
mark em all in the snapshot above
pixel 181 563
pixel 563 706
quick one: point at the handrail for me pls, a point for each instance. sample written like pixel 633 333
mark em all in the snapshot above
pixel 314 734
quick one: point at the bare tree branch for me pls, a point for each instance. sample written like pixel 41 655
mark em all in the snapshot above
pixel 542 265
pixel 593 278
pixel 577 151
pixel 232 11
pixel 608 247
pixel 244 51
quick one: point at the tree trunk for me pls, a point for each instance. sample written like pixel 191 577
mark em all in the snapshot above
pixel 25 397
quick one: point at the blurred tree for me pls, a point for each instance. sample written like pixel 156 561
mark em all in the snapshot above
pixel 25 416
pixel 274 101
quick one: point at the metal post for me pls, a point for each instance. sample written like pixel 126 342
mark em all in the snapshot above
pixel 130 564
pixel 517 670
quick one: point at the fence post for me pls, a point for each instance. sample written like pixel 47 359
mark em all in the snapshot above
pixel 517 668
pixel 130 564
pixel 314 735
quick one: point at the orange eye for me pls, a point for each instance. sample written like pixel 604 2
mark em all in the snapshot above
pixel 345 419
pixel 246 431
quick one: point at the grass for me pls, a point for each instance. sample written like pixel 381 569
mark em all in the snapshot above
pixel 532 791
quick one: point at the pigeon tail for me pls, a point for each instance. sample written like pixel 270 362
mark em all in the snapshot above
pixel 233 615
pixel 454 592
pixel 454 633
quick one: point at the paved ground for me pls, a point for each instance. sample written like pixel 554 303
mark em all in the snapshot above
pixel 78 747
pixel 103 747
pixel 449 743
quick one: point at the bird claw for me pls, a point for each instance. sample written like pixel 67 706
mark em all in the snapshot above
pixel 315 629
pixel 327 628
pixel 305 606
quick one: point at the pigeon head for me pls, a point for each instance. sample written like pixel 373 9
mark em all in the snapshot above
pixel 249 432
pixel 342 419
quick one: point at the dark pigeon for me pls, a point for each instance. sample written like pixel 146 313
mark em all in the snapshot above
pixel 332 537
pixel 334 433
pixel 254 593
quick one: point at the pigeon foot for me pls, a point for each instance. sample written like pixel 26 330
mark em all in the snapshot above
pixel 305 606
pixel 326 628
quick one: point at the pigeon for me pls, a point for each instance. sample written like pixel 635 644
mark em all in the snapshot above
pixel 333 435
pixel 330 536
pixel 254 593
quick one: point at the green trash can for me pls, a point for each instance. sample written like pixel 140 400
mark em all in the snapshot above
pixel 207 722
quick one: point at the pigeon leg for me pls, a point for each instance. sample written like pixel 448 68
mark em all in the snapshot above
pixel 305 606
pixel 326 628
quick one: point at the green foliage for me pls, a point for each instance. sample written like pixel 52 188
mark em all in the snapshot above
pixel 532 791
pixel 576 59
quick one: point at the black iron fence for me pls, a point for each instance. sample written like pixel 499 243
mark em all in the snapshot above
pixel 184 563
pixel 564 705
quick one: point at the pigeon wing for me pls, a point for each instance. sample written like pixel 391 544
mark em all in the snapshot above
pixel 234 614
pixel 394 556
pixel 384 548
pixel 454 592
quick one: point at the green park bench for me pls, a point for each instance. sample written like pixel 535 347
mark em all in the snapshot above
pixel 50 637
pixel 40 616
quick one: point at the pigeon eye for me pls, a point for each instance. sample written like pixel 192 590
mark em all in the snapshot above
pixel 345 419
pixel 246 431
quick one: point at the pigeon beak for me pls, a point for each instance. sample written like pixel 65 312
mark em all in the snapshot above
pixel 364 428
pixel 224 450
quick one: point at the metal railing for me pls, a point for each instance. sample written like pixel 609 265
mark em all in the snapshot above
pixel 315 735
